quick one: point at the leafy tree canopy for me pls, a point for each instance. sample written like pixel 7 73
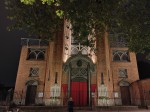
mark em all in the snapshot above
pixel 94 17
pixel 39 20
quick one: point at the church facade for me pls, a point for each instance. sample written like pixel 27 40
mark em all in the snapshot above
pixel 99 74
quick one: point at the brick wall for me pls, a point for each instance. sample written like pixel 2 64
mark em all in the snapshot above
pixel 140 92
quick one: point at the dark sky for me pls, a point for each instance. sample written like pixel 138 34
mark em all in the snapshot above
pixel 10 50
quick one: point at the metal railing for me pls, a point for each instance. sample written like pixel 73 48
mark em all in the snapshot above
pixel 60 98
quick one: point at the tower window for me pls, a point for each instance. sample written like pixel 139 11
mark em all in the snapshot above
pixel 36 54
pixel 120 55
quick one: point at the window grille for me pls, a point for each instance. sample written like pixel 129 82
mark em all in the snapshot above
pixel 120 55
pixel 36 54
pixel 123 73
pixel 34 71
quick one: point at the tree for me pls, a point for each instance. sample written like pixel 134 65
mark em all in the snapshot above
pixel 94 17
pixel 38 20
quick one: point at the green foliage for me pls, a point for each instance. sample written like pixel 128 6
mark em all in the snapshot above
pixel 94 17
pixel 60 13
pixel 38 19
pixel 135 22
pixel 49 2
pixel 28 2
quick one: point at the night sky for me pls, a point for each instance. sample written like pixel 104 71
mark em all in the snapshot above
pixel 10 51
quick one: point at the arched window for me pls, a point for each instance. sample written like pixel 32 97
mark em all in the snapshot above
pixel 84 51
pixel 31 56
pixel 36 54
pixel 124 83
pixel 125 57
pixel 116 57
pixel 74 50
pixel 120 55
pixel 40 56
pixel 32 82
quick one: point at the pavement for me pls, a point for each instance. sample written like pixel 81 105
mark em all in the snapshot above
pixel 77 109
pixel 112 111
pixel 87 111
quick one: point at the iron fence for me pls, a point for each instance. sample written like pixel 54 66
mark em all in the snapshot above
pixel 60 98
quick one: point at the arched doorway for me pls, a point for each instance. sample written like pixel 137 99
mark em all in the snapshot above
pixel 79 69
pixel 31 92
pixel 125 92
pixel 79 82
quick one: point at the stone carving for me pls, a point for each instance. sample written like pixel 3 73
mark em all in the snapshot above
pixel 124 83
pixel 123 73
pixel 55 93
pixel 102 95
pixel 79 72
pixel 34 71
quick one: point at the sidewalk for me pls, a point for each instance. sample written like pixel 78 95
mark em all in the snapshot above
pixel 82 111
pixel 112 111
pixel 76 109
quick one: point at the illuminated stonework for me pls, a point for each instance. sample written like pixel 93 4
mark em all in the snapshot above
pixel 96 75
pixel 72 47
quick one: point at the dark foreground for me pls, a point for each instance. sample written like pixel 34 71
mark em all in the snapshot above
pixel 76 109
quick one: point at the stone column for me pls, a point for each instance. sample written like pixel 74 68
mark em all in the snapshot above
pixel 69 77
pixel 89 85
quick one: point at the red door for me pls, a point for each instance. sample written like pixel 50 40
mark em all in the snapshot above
pixel 79 93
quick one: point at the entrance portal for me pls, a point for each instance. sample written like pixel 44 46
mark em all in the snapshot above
pixel 79 69
pixel 30 95
pixel 79 85
pixel 125 92
pixel 31 92
pixel 125 95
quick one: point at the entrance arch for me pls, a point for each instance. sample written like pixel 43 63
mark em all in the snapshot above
pixel 31 92
pixel 125 92
pixel 79 69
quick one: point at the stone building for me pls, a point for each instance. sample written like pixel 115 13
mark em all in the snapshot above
pixel 99 74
